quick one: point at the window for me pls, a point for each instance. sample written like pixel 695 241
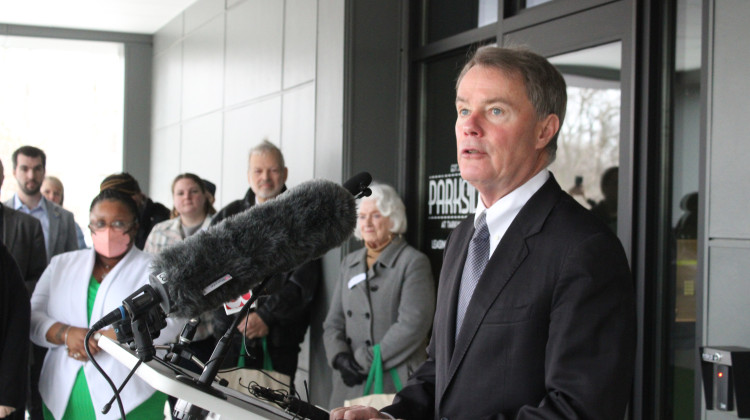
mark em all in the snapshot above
pixel 65 97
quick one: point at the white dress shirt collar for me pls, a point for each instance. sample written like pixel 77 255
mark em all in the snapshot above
pixel 501 214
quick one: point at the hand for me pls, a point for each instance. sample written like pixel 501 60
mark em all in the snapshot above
pixel 76 348
pixel 5 411
pixel 349 368
pixel 253 326
pixel 577 190
pixel 109 333
pixel 357 412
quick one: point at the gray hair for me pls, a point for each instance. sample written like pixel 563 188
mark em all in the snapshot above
pixel 389 205
pixel 545 86
pixel 267 147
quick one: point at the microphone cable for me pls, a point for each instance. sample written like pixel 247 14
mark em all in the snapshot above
pixel 104 374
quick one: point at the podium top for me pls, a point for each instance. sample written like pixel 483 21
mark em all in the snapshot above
pixel 237 405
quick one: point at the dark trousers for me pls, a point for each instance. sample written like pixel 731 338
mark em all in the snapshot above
pixel 34 400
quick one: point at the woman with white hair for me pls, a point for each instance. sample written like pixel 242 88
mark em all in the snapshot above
pixel 385 296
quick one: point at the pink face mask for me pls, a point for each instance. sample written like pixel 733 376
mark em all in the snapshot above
pixel 110 243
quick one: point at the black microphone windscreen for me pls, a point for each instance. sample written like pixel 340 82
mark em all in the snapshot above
pixel 358 182
pixel 230 258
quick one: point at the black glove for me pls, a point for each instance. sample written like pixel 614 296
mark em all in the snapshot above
pixel 349 369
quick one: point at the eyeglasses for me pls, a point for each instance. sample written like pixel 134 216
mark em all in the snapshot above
pixel 117 225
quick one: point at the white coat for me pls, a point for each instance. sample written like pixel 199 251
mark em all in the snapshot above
pixel 60 296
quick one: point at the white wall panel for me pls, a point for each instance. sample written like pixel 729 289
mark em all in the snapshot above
pixel 203 70
pixel 167 87
pixel 165 162
pixel 244 128
pixel 254 50
pixel 201 147
pixel 298 134
pixel 169 35
pixel 201 12
pixel 300 32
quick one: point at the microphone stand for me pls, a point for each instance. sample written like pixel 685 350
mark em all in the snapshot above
pixel 222 347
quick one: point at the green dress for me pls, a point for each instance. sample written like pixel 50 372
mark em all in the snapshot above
pixel 80 406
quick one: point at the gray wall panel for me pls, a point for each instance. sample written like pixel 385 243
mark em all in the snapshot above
pixel 729 195
pixel 244 128
pixel 201 12
pixel 299 42
pixel 168 35
pixel 329 116
pixel 165 162
pixel 200 152
pixel 203 79
pixel 137 119
pixel 726 314
pixel 254 50
pixel 167 90
pixel 375 92
pixel 728 319
pixel 298 133
pixel 728 322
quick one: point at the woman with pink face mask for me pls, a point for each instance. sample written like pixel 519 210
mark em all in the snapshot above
pixel 75 291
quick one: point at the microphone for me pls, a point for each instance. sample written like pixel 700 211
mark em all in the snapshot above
pixel 357 185
pixel 230 258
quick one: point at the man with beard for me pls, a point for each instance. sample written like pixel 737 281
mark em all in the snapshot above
pixel 277 326
pixel 58 227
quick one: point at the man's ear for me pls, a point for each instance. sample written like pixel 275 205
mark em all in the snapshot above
pixel 285 175
pixel 547 127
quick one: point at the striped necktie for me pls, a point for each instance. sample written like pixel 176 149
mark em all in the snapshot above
pixel 476 260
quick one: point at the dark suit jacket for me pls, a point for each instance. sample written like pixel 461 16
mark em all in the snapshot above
pixel 550 330
pixel 14 335
pixel 286 310
pixel 22 235
pixel 62 228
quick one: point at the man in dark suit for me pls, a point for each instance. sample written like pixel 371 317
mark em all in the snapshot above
pixel 58 224
pixel 58 228
pixel 535 313
pixel 22 235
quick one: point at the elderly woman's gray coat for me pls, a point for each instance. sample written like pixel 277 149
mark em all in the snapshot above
pixel 392 307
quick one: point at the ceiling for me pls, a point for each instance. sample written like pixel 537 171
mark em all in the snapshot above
pixel 148 16
pixel 132 16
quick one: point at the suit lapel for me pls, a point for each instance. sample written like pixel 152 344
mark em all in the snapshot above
pixel 509 255
pixel 9 228
pixel 454 278
pixel 445 317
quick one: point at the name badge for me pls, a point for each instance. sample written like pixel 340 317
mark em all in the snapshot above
pixel 359 278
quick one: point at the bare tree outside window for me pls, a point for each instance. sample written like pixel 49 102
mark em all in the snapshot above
pixel 589 140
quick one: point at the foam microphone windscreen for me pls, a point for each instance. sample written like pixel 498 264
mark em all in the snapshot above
pixel 232 257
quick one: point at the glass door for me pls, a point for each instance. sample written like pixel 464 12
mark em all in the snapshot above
pixel 588 149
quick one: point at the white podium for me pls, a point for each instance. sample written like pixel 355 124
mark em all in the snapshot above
pixel 236 406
